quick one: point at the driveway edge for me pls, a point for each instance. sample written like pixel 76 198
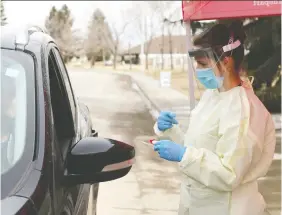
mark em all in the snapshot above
pixel 153 108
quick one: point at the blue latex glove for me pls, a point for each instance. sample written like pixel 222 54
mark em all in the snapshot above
pixel 166 120
pixel 169 150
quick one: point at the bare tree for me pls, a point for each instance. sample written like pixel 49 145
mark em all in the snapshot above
pixel 77 45
pixel 117 32
pixel 149 35
pixel 146 24
pixel 170 27
pixel 115 43
pixel 156 12
pixel 3 16
pixel 149 22
pixel 163 7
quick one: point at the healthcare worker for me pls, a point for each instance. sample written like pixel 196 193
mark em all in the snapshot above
pixel 231 140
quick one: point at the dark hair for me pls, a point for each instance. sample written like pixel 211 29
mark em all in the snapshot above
pixel 220 35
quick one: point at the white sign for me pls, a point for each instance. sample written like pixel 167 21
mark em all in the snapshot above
pixel 165 79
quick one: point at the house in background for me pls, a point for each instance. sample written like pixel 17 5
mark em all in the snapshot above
pixel 173 50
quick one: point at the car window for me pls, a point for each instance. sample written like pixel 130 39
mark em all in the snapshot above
pixel 17 111
pixel 61 108
pixel 13 111
pixel 66 81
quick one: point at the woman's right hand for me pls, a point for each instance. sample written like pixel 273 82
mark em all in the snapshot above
pixel 166 120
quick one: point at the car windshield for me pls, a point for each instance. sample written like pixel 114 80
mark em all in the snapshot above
pixel 17 68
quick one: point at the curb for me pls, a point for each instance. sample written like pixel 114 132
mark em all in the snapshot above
pixel 153 108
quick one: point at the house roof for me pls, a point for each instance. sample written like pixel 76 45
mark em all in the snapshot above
pixel 154 46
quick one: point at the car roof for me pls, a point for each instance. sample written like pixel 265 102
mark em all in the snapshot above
pixel 13 37
pixel 8 37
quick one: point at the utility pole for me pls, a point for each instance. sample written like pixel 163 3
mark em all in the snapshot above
pixel 190 67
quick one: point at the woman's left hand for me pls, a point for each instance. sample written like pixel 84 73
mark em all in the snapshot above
pixel 169 150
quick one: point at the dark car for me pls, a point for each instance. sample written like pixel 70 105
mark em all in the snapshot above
pixel 50 155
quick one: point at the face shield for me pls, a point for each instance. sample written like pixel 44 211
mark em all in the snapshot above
pixel 208 66
pixel 205 64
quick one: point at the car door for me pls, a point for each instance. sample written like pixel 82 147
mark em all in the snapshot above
pixel 24 183
pixel 72 199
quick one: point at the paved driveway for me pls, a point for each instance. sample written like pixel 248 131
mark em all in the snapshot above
pixel 118 112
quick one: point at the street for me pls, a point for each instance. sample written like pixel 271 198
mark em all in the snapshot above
pixel 152 186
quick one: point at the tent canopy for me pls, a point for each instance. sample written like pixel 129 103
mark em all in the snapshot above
pixel 208 10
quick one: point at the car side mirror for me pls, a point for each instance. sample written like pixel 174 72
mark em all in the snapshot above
pixel 94 160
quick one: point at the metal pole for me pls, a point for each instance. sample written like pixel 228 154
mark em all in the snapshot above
pixel 190 66
pixel 163 28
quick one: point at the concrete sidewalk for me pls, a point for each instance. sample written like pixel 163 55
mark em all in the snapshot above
pixel 159 99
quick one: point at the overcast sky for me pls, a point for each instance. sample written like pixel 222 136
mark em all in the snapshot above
pixel 35 12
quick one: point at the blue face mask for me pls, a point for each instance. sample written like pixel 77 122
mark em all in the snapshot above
pixel 208 78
